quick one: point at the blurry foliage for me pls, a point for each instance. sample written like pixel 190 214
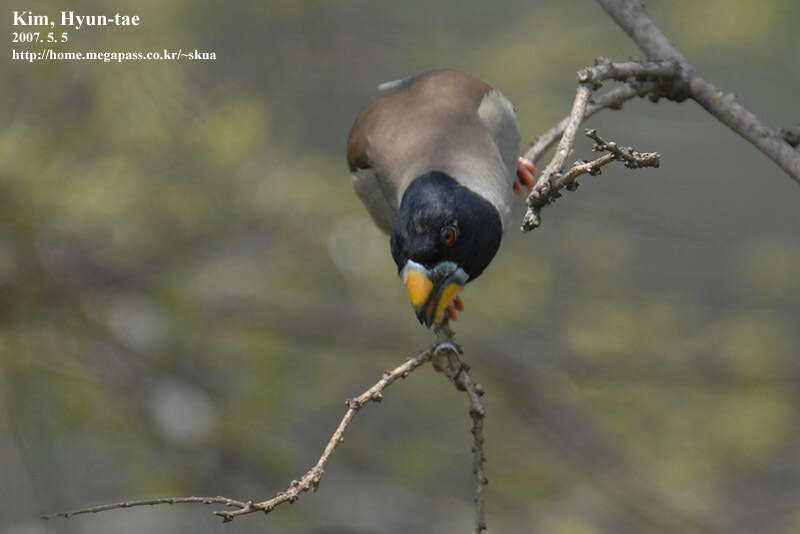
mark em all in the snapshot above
pixel 190 288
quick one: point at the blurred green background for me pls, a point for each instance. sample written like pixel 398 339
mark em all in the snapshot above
pixel 189 287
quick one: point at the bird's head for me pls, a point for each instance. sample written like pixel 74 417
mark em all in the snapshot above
pixel 444 236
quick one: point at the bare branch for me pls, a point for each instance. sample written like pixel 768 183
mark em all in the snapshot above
pixel 540 194
pixel 589 79
pixel 670 75
pixel 477 412
pixel 569 178
pixel 611 100
pixel 150 502
pixel 639 77
pixel 448 360
pixel 312 478
pixel 631 16
pixel 632 158
pixel 605 70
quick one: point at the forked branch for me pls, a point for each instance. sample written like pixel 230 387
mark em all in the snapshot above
pixel 641 76
pixel 667 74
pixel 631 158
pixel 447 358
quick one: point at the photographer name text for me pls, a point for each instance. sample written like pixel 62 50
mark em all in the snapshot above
pixel 73 20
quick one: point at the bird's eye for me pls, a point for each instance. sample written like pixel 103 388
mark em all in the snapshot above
pixel 449 235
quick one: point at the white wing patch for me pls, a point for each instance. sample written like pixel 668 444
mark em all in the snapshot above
pixel 394 84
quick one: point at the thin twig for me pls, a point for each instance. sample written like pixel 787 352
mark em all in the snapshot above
pixel 568 179
pixel 308 481
pixel 604 69
pixel 312 478
pixel 611 100
pixel 150 502
pixel 589 79
pixel 630 157
pixel 540 194
pixel 444 350
pixel 449 361
pixel 478 413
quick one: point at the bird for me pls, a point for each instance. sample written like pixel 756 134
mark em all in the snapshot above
pixel 434 158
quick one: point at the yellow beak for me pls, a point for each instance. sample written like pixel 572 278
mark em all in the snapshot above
pixel 431 290
pixel 419 287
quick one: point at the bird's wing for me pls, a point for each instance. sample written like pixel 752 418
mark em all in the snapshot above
pixel 440 120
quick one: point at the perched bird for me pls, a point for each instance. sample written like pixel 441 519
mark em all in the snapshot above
pixel 434 160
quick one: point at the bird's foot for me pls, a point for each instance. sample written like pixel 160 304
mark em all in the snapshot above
pixel 525 179
pixel 454 307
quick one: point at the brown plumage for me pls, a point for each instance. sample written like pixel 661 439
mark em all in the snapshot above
pixel 441 120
